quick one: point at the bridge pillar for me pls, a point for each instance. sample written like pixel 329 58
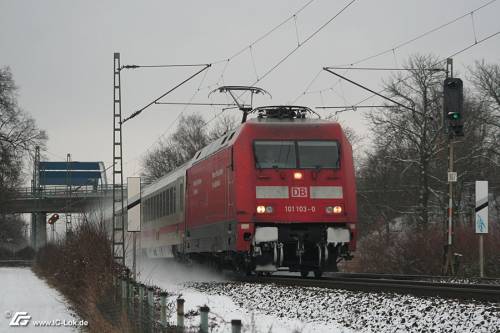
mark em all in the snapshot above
pixel 38 230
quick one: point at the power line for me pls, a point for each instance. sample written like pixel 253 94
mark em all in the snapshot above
pixel 402 44
pixel 370 90
pixel 299 45
pixel 443 60
pixel 304 42
pixel 136 113
pixel 474 44
pixel 161 66
pixel 355 107
pixel 387 69
pixel 196 104
pixel 227 60
pixel 279 25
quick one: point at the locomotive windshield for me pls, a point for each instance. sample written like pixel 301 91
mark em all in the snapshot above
pixel 296 154
pixel 275 154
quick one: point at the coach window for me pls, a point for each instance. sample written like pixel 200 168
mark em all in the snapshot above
pixel 181 196
pixel 162 204
pixel 167 192
pixel 318 154
pixel 172 199
pixel 174 190
pixel 155 207
pixel 275 154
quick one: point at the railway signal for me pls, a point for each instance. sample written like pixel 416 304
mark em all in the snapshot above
pixel 453 101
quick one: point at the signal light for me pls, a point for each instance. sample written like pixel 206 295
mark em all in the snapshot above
pixel 453 104
pixel 53 219
pixel 453 115
pixel 298 175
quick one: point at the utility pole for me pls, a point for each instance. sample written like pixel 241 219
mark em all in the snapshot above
pixel 118 232
pixel 35 191
pixel 68 197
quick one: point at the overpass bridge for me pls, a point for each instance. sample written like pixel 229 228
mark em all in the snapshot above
pixel 55 199
pixel 60 199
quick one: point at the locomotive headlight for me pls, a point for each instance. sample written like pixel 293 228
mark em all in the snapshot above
pixel 264 209
pixel 337 209
pixel 334 209
pixel 298 175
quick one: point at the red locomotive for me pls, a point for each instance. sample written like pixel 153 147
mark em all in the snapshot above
pixel 277 193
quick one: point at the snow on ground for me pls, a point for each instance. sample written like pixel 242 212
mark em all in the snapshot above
pixel 273 308
pixel 172 277
pixel 22 290
pixel 363 312
pixel 465 280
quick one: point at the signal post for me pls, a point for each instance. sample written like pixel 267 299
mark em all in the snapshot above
pixel 453 125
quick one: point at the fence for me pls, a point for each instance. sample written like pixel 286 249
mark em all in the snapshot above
pixel 148 310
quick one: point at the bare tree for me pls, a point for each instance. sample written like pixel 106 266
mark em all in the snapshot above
pixel 403 179
pixel 413 139
pixel 18 131
pixel 190 136
pixel 486 79
pixel 18 137
pixel 224 124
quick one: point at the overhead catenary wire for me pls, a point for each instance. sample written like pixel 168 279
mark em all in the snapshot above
pixel 438 62
pixel 136 113
pixel 386 69
pixel 355 106
pixel 226 61
pixel 289 54
pixel 314 33
pixel 269 32
pixel 195 104
pixel 370 90
pixel 401 44
pixel 161 66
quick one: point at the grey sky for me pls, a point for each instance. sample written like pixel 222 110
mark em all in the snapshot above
pixel 61 54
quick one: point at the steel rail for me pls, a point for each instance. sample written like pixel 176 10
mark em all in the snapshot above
pixel 420 277
pixel 16 262
pixel 482 292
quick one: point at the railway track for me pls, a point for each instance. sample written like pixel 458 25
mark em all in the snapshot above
pixel 383 283
pixel 15 263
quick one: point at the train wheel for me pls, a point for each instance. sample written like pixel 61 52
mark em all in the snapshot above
pixel 304 273
pixel 318 273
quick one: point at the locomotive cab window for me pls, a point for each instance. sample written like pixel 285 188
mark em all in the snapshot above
pixel 318 154
pixel 307 154
pixel 275 154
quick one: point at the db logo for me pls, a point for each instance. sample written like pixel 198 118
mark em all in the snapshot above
pixel 299 192
pixel 20 319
